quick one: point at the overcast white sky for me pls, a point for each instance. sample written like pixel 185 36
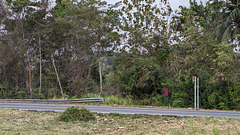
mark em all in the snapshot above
pixel 174 3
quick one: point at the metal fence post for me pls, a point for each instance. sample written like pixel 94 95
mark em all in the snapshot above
pixel 195 89
pixel 198 93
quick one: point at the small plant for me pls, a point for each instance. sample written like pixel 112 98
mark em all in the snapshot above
pixel 76 113
pixel 178 103
pixel 64 96
pixel 91 95
pixel 74 97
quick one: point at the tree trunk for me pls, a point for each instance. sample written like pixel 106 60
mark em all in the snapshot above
pixel 30 76
pixel 89 72
pixel 100 74
pixel 29 64
pixel 99 64
pixel 57 75
pixel 40 66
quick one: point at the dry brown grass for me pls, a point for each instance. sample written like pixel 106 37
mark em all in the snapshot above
pixel 13 122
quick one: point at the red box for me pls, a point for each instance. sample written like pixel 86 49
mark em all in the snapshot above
pixel 166 92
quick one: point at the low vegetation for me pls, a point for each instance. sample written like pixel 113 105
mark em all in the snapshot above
pixel 76 113
pixel 14 122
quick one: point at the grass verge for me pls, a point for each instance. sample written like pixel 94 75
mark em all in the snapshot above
pixel 14 122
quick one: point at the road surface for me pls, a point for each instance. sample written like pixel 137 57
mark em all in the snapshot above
pixel 123 110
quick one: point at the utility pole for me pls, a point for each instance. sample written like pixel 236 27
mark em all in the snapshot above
pixel 195 89
pixel 197 93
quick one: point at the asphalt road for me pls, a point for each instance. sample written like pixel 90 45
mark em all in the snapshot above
pixel 123 110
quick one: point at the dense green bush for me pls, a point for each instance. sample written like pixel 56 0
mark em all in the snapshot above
pixel 178 103
pixel 76 113
pixel 141 77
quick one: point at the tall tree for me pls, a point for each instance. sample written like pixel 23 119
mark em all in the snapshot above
pixel 141 67
pixel 20 23
pixel 18 12
pixel 37 21
pixel 145 24
pixel 90 26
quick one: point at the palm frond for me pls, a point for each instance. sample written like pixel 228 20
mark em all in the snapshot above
pixel 221 29
pixel 227 35
pixel 236 31
pixel 234 14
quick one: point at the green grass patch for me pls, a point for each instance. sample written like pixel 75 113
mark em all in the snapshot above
pixel 14 122
pixel 114 100
pixel 111 100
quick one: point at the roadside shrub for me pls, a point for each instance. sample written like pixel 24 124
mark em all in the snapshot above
pixel 3 92
pixel 144 101
pixel 178 103
pixel 157 100
pixel 76 113
pixel 178 99
pixel 223 106
pixel 91 95
pixel 21 94
pixel 110 100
